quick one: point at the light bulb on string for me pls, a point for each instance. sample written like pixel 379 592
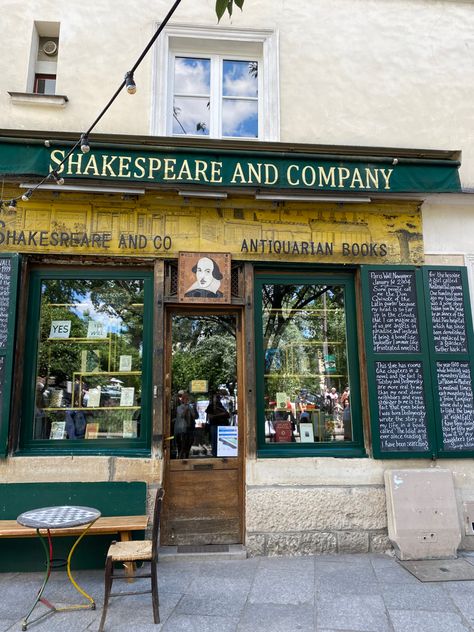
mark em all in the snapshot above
pixel 85 147
pixel 130 83
pixel 12 206
pixel 57 178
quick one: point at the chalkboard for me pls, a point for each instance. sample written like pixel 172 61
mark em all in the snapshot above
pixel 5 295
pixel 447 311
pixel 401 407
pixel 393 310
pixel 456 405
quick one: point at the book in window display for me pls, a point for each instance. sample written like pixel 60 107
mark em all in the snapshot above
pixel 129 428
pixel 93 397
pixel 58 430
pixel 283 431
pixel 90 361
pixel 127 396
pixel 306 432
pixel 92 430
pixel 125 363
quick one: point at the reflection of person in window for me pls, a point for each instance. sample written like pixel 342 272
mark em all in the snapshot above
pixel 184 425
pixel 208 280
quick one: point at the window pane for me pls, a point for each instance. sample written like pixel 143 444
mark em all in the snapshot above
pixel 204 418
pixel 89 379
pixel 45 85
pixel 306 381
pixel 240 118
pixel 191 115
pixel 240 79
pixel 192 76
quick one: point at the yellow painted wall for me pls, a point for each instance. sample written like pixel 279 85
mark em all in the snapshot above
pixel 108 225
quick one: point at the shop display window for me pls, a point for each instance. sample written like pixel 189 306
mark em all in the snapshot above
pixel 90 369
pixel 308 387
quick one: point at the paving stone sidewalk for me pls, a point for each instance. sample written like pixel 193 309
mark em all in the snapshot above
pixel 350 593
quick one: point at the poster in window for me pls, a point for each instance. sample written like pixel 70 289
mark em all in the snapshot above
pixel 60 329
pixel 227 441
pixel 96 329
pixel 204 277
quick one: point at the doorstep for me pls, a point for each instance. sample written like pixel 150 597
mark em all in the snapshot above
pixel 187 553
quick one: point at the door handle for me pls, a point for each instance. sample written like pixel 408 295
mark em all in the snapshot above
pixel 203 466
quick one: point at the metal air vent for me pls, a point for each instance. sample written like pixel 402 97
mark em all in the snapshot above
pixel 50 48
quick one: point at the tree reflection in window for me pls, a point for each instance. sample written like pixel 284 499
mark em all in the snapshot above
pixel 89 364
pixel 305 360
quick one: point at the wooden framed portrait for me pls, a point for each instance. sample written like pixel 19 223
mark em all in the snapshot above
pixel 204 277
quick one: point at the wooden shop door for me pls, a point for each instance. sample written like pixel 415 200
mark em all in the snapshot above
pixel 204 429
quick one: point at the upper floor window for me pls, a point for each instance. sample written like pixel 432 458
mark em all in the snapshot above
pixel 215 97
pixel 217 83
pixel 44 58
pixel 44 84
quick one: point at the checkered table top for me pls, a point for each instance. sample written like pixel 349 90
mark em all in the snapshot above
pixel 58 517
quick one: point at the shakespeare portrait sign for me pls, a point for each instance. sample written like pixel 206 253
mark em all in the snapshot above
pixel 204 277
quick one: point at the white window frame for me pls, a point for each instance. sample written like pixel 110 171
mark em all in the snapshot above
pixel 216 44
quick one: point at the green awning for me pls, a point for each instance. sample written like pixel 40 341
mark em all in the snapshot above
pixel 181 166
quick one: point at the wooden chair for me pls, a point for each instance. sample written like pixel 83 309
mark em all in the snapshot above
pixel 131 552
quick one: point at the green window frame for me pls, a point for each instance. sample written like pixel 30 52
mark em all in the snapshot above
pixel 7 352
pixel 427 357
pixel 352 448
pixel 139 446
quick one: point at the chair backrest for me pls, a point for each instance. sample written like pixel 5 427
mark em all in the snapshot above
pixel 156 522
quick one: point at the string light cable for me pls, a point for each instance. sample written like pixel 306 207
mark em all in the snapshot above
pixel 83 142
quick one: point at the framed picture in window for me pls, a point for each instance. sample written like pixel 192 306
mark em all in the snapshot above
pixel 204 277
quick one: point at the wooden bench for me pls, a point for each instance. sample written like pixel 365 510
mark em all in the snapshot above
pixel 122 525
pixel 113 499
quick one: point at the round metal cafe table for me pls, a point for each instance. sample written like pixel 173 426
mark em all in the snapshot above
pixel 47 519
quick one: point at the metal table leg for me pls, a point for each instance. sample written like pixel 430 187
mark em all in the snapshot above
pixel 39 597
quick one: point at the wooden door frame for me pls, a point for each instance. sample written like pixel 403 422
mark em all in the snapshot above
pixel 170 310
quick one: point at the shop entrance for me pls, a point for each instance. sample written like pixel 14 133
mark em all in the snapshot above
pixel 204 429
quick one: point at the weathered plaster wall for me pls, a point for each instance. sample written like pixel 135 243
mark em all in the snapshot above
pixel 395 73
pixel 448 225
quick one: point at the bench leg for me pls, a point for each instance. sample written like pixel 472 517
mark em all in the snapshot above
pixel 130 567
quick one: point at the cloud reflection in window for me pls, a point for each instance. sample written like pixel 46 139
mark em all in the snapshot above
pixel 240 78
pixel 238 97
pixel 191 115
pixel 240 118
pixel 192 76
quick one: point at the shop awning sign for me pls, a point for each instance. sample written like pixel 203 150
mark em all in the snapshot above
pixel 189 167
